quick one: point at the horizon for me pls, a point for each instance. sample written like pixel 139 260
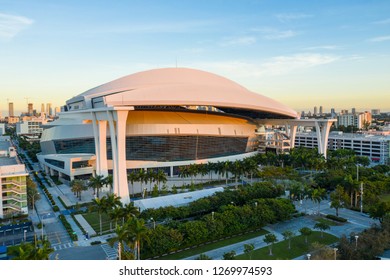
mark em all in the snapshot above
pixel 332 54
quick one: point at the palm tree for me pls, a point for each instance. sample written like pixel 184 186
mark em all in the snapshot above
pixel 96 183
pixel 116 214
pixel 109 180
pixel 150 177
pixel 112 202
pixel 139 230
pixel 161 177
pixel 130 211
pixel 338 198
pixel 317 196
pixel 288 234
pixel 132 177
pixel 27 251
pixel 100 206
pixel 142 178
pixel 123 236
pixel 77 186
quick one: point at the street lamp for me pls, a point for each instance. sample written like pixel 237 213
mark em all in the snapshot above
pixel 308 256
pixel 356 240
pixel 212 216
pixel 361 197
pixel 335 253
pixel 154 223
pixel 25 231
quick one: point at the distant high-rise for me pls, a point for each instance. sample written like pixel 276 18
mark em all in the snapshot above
pixel 30 109
pixel 353 111
pixel 375 111
pixel 42 108
pixel 321 112
pixel 344 111
pixel 11 109
pixel 57 110
pixel 315 111
pixel 49 110
pixel 332 112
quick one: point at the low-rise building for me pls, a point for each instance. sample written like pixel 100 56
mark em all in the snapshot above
pixel 375 147
pixel 13 177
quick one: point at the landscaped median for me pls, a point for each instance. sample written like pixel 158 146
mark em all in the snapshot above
pixel 280 250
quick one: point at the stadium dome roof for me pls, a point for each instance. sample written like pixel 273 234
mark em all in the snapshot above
pixel 185 87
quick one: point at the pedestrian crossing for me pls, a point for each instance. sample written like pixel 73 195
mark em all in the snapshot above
pixel 110 251
pixel 62 246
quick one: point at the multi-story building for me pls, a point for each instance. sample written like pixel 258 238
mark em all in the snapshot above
pixel 11 109
pixel 2 129
pixel 375 147
pixel 30 109
pixel 30 126
pixel 13 186
pixel 359 120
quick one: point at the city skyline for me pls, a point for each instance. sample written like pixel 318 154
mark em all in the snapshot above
pixel 302 54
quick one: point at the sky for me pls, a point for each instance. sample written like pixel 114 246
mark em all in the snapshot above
pixel 334 54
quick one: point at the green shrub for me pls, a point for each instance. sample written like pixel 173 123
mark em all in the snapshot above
pixel 96 242
pixel 336 218
pixel 56 208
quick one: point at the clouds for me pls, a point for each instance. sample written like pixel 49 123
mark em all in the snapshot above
pixel 274 66
pixel 286 17
pixel 379 39
pixel 11 25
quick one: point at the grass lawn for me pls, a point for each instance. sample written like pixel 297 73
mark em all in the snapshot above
pixel 93 220
pixel 298 248
pixel 385 197
pixel 212 246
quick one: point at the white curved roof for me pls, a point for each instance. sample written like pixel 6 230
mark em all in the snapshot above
pixel 180 87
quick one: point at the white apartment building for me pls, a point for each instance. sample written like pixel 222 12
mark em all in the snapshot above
pixel 375 147
pixel 354 119
pixel 13 186
pixel 30 126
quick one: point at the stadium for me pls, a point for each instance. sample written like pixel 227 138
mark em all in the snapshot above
pixel 160 119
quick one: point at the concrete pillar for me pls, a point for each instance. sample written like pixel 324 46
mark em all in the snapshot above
pixel 103 148
pixel 97 141
pixel 293 133
pixel 118 144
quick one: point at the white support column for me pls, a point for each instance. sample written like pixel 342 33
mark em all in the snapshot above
pixel 103 147
pixel 325 136
pixel 118 144
pixel 97 142
pixel 319 138
pixel 293 133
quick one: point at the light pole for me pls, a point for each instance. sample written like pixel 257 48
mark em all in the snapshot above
pixel 25 231
pixel 308 256
pixel 212 216
pixel 335 253
pixel 42 224
pixel 154 223
pixel 356 241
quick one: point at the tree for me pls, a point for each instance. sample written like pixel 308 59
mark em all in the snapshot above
pixel 96 183
pixel 322 227
pixel 109 180
pixel 100 206
pixel 229 255
pixel 306 232
pixel 248 249
pixel 338 199
pixel 380 211
pixel 138 228
pixel 161 177
pixel 270 239
pixel 32 192
pixel 203 257
pixel 77 186
pixel 123 236
pixel 287 235
pixel 317 196
pixel 27 251
pixel 132 177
